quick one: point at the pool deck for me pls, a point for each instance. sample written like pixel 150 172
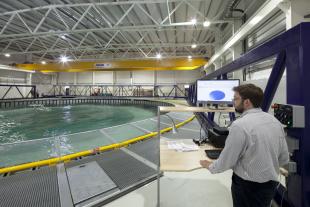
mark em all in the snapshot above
pixel 121 177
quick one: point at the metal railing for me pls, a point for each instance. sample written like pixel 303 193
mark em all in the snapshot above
pixel 78 100
pixel 121 90
pixel 8 91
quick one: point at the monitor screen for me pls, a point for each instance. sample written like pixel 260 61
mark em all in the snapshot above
pixel 216 91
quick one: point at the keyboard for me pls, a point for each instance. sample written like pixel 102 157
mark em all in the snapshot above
pixel 213 154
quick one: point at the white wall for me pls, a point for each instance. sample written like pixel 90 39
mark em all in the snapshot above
pixel 143 77
pixel 44 89
pixel 103 77
pixel 187 76
pixel 65 78
pixel 84 78
pixel 166 77
pixel 12 77
pixel 123 77
pixel 42 81
pixel 40 78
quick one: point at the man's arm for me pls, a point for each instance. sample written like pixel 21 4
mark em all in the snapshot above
pixel 234 146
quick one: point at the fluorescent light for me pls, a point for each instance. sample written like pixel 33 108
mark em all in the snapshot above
pixel 255 20
pixel 7 55
pixel 64 59
pixel 189 57
pixel 193 21
pixel 43 62
pixel 194 46
pixel 63 37
pixel 158 56
pixel 206 24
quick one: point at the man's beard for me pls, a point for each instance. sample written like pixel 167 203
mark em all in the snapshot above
pixel 240 109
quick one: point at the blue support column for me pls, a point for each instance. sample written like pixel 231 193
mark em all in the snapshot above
pixel 224 76
pixel 232 116
pixel 305 67
pixel 298 84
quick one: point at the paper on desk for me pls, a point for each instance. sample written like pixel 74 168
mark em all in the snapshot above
pixel 181 147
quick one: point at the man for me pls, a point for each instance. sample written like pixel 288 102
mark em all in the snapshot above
pixel 254 149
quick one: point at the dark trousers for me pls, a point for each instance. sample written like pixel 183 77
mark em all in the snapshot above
pixel 251 194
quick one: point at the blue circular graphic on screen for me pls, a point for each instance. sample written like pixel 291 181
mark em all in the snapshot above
pixel 217 95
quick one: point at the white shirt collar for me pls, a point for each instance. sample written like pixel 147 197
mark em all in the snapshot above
pixel 250 111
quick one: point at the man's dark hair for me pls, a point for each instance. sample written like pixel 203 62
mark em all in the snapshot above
pixel 252 92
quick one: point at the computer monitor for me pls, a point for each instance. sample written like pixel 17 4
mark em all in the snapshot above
pixel 216 91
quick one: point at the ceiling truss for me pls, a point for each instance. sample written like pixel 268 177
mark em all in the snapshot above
pixel 114 29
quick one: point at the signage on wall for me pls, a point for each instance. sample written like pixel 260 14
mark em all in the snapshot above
pixel 103 65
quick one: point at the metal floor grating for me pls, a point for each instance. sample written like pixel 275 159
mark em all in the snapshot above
pixel 147 149
pixel 122 168
pixel 37 188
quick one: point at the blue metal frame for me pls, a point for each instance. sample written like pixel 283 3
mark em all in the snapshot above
pixel 292 49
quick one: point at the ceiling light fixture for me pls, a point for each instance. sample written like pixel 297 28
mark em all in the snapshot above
pixel 64 59
pixel 189 57
pixel 7 55
pixel 158 56
pixel 43 62
pixel 206 24
pixel 194 21
pixel 194 46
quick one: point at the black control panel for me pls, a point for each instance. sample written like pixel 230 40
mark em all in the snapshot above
pixel 284 113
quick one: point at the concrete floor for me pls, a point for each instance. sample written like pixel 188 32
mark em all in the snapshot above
pixel 197 188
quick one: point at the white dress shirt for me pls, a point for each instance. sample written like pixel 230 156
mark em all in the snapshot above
pixel 255 147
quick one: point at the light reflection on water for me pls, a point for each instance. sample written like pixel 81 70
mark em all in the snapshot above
pixel 7 132
pixel 38 132
pixel 60 145
pixel 40 122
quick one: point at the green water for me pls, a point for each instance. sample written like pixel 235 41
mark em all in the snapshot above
pixel 39 122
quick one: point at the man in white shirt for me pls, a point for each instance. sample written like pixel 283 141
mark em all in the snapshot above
pixel 254 149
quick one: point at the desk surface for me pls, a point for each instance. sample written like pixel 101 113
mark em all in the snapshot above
pixel 171 160
pixel 193 109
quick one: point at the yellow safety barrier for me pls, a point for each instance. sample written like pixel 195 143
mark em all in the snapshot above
pixel 66 158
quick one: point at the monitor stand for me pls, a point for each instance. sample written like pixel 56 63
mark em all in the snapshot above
pixel 217 106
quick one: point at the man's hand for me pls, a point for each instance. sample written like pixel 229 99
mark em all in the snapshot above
pixel 205 163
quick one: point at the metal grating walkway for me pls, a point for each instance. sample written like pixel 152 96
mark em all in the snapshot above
pixel 147 149
pixel 122 168
pixel 37 188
